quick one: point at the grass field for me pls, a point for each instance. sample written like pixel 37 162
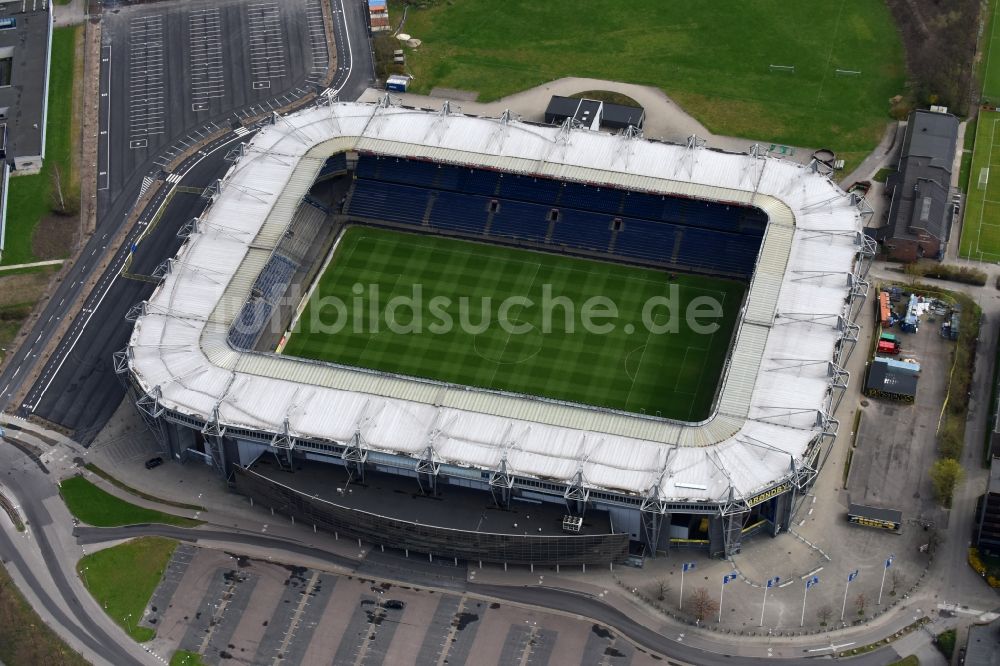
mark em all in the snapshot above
pixel 186 658
pixel 981 223
pixel 713 58
pixel 122 579
pixel 95 507
pixel 671 374
pixel 30 198
pixel 24 637
pixel 991 61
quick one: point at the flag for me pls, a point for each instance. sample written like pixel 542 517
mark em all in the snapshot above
pixel 771 582
pixel 728 578
pixel 133 248
pixel 888 562
pixel 851 576
pixel 688 566
pixel 812 581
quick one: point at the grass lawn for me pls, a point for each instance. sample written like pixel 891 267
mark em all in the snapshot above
pixel 138 493
pixel 965 169
pixel 30 198
pixel 981 221
pixel 713 58
pixel 911 660
pixel 673 374
pixel 990 73
pixel 122 579
pixel 186 658
pixel 24 637
pixel 96 507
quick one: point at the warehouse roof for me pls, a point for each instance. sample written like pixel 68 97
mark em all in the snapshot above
pixel 24 39
pixel 775 391
pixel 889 378
pixel 920 195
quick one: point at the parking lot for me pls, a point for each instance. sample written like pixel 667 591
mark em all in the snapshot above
pixel 225 606
pixel 173 73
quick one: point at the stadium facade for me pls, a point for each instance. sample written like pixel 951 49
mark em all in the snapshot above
pixel 790 233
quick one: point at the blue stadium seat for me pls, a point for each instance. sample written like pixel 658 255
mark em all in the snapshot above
pixel 529 188
pixel 701 235
pixel 521 221
pixel 460 212
pixel 388 201
pixel 580 229
pixel 592 198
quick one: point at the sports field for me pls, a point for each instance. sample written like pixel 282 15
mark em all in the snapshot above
pixel 616 362
pixel 713 58
pixel 981 221
pixel 991 61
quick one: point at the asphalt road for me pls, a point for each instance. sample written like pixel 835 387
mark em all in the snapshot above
pixel 77 387
pixel 395 567
pixel 32 487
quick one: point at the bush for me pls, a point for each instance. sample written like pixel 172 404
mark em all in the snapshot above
pixel 945 642
pixel 950 442
pixel 945 475
pixel 933 269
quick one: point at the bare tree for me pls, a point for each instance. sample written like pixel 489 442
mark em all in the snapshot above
pixel 60 205
pixel 702 604
pixel 860 602
pixel 823 614
pixel 662 589
pixel 896 578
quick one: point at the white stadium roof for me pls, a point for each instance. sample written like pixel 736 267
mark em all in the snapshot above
pixel 776 385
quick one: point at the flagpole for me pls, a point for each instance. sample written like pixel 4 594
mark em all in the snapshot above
pixel 802 621
pixel 843 608
pixel 763 605
pixel 680 604
pixel 722 591
pixel 888 563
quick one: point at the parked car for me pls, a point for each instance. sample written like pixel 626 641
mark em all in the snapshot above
pixel 152 463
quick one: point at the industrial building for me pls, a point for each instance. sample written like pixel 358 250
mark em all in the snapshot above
pixel 988 514
pixel 594 114
pixel 920 212
pixel 348 449
pixel 25 52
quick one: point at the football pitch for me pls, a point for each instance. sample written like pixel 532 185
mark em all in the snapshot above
pixel 981 222
pixel 526 322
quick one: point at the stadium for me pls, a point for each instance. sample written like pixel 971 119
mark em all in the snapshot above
pixel 552 450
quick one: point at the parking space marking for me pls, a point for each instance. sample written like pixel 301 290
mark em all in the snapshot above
pixel 317 41
pixel 146 79
pixel 103 180
pixel 205 54
pixel 267 49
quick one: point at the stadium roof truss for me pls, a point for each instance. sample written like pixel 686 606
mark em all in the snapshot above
pixel 780 388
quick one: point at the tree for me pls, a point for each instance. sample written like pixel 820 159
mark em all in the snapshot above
pixel 662 589
pixel 896 578
pixel 860 602
pixel 946 474
pixel 823 615
pixel 702 604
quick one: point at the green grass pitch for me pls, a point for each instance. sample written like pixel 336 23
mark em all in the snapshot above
pixel 981 221
pixel 672 374
pixel 712 58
